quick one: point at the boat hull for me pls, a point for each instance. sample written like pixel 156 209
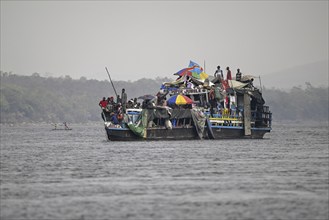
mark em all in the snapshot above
pixel 230 132
pixel 152 134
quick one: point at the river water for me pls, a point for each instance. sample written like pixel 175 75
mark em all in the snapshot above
pixel 77 174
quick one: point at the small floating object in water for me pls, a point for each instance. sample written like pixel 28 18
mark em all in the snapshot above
pixel 66 127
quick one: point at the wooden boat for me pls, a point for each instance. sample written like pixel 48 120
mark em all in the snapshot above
pixel 184 124
pixel 158 124
pixel 242 115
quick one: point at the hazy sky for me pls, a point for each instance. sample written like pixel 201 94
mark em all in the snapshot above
pixel 137 39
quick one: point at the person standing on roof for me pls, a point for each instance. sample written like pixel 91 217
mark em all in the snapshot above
pixel 219 74
pixel 238 75
pixel 228 74
pixel 124 100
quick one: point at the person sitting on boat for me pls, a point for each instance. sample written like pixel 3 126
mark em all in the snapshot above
pixel 130 103
pixel 110 104
pixel 119 112
pixel 114 118
pixel 150 104
pixel 136 104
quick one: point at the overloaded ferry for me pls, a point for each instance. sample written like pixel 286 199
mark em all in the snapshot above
pixel 196 106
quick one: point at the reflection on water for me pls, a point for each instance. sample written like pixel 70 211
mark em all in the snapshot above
pixel 78 175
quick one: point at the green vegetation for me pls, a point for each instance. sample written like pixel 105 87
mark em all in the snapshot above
pixel 40 99
pixel 300 104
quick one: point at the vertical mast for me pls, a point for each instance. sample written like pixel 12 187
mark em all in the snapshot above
pixel 111 82
pixel 204 65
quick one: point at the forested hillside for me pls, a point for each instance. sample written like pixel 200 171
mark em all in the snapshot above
pixel 40 99
pixel 301 104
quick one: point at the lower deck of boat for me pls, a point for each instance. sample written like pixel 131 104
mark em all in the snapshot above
pixel 185 133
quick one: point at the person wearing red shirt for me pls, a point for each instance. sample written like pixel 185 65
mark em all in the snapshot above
pixel 228 74
pixel 103 103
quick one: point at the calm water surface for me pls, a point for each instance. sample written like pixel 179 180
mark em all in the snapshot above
pixel 77 174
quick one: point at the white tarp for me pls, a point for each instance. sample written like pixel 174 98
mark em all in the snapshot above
pixel 236 84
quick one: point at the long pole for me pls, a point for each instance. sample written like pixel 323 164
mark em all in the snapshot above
pixel 204 65
pixel 260 83
pixel 111 82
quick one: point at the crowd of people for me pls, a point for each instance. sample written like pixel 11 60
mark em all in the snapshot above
pixel 219 74
pixel 221 98
pixel 114 110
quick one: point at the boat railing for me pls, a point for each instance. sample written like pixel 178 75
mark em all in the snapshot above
pixel 262 117
pixel 182 122
pixel 188 91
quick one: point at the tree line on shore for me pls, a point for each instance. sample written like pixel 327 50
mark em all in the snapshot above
pixel 48 99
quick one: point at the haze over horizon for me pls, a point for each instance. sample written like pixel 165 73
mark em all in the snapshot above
pixel 148 39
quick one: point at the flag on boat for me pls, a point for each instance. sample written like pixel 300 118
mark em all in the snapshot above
pixel 194 70
pixel 179 100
